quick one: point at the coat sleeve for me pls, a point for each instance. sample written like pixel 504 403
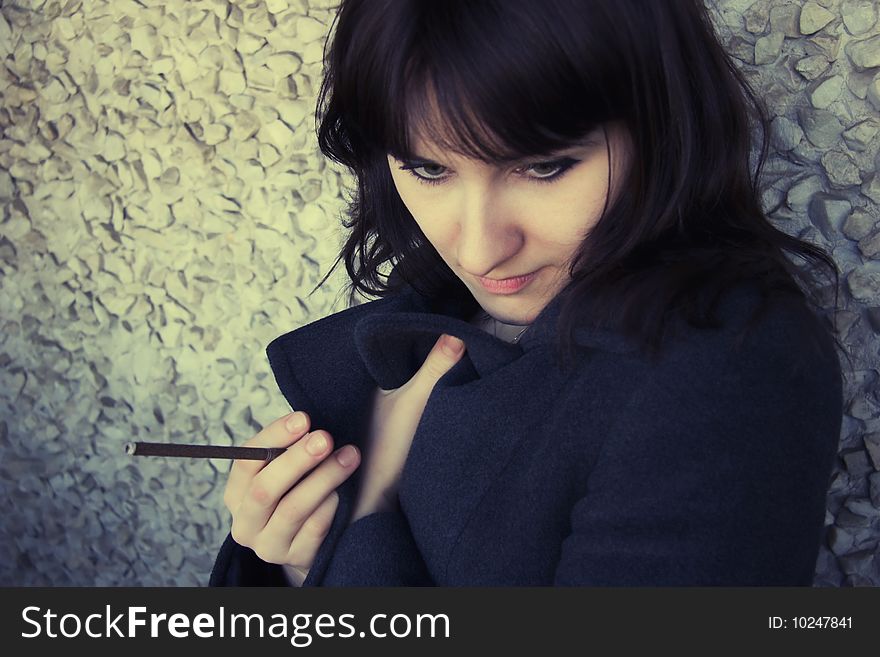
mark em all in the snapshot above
pixel 377 550
pixel 715 473
pixel 237 565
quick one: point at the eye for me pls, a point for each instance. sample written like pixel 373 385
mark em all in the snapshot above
pixel 557 169
pixel 548 171
pixel 432 178
pixel 543 165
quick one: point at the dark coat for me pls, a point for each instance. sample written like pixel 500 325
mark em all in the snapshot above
pixel 708 465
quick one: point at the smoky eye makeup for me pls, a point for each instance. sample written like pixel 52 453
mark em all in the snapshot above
pixel 559 161
pixel 559 167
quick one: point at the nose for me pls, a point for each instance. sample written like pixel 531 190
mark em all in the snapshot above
pixel 488 234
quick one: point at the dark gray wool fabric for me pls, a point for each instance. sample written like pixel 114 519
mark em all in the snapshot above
pixel 705 466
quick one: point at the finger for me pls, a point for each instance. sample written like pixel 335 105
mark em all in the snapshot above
pixel 283 432
pixel 311 535
pixel 300 503
pixel 447 351
pixel 273 482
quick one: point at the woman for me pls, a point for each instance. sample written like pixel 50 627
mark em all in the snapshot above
pixel 640 393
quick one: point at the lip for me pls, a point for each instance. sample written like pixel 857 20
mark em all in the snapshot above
pixel 506 285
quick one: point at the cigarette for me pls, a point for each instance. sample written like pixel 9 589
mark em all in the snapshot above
pixel 203 451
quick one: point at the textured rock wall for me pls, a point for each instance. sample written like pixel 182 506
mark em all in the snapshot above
pixel 817 66
pixel 166 211
pixel 165 215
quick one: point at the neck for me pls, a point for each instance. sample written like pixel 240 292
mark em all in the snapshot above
pixel 501 330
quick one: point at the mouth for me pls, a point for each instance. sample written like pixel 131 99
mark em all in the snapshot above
pixel 506 285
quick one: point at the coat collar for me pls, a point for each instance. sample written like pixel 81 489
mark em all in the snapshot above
pixel 395 342
pixel 332 365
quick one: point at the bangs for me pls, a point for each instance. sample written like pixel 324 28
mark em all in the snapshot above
pixel 490 81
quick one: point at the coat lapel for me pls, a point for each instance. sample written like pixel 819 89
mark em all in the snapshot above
pixel 331 367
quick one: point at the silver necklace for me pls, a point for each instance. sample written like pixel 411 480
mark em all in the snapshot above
pixel 518 335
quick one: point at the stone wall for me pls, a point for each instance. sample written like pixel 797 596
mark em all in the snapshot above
pixel 166 212
pixel 817 67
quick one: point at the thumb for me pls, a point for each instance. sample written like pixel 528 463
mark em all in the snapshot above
pixel 446 352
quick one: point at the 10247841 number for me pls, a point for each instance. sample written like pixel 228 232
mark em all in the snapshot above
pixel 809 622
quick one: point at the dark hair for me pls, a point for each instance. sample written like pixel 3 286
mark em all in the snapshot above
pixel 688 222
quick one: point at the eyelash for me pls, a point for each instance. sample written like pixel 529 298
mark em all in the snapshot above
pixel 564 163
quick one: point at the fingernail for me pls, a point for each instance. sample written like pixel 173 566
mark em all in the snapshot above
pixel 296 422
pixel 346 456
pixel 316 444
pixel 452 345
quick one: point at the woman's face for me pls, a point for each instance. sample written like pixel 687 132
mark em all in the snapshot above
pixel 498 222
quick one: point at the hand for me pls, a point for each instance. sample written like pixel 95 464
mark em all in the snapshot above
pixel 396 415
pixel 283 509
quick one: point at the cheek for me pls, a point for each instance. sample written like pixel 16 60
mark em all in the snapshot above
pixel 583 202
pixel 428 211
pixel 564 218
